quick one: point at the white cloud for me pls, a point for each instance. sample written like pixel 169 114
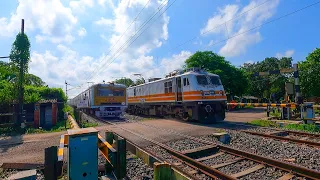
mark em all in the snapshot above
pixel 108 2
pixel 174 62
pixel 54 21
pixel 81 5
pixel 214 24
pixel 104 22
pixel 243 19
pixel 287 53
pixel 82 32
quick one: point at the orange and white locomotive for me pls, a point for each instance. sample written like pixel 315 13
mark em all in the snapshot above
pixel 193 94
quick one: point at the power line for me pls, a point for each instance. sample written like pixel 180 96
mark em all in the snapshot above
pixel 141 27
pixel 134 19
pixel 143 31
pixel 224 23
pixel 268 22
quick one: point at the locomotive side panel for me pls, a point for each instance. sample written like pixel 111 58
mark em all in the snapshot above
pixel 197 96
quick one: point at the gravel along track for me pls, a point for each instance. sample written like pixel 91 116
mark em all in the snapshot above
pixel 265 174
pixel 237 167
pixel 185 144
pixel 136 168
pixel 285 151
pixel 163 154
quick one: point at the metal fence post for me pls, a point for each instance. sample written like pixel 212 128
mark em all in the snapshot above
pixel 121 166
pixel 111 155
pixel 162 171
pixel 50 163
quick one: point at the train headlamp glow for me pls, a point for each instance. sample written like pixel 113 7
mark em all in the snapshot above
pixel 123 103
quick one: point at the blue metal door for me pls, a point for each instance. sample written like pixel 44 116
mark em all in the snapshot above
pixel 83 155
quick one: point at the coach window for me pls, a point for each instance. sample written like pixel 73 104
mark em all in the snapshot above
pixel 186 82
pixel 168 87
pixel 134 92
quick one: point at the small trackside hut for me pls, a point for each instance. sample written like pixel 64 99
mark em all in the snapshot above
pixel 192 94
pixel 102 100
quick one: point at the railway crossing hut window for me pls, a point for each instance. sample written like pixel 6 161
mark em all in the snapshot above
pixel 186 82
pixel 168 87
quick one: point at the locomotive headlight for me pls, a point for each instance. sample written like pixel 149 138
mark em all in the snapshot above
pixel 123 103
pixel 201 92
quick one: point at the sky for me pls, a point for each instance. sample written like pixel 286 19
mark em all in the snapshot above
pixel 82 41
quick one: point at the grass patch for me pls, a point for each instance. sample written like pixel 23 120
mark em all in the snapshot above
pixel 275 114
pixel 85 124
pixel 303 127
pixel 264 123
pixel 312 128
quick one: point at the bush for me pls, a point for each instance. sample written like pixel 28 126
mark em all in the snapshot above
pixel 303 127
pixel 264 123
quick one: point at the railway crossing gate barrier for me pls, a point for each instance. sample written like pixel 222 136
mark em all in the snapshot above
pixel 307 109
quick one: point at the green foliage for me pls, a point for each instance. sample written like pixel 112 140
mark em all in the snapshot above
pixel 6 92
pixel 33 80
pixel 233 79
pixel 139 81
pixel 264 123
pixel 265 86
pixel 20 52
pixel 303 127
pixel 309 72
pixel 34 94
pixel 125 81
pixel 85 124
pixel 299 127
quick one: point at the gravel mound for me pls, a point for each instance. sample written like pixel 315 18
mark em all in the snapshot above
pixel 136 169
pixel 237 167
pixel 267 173
pixel 223 158
pixel 184 144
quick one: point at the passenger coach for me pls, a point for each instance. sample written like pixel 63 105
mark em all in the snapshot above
pixel 193 94
pixel 102 100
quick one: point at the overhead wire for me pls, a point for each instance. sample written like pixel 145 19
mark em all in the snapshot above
pixel 253 28
pixel 123 45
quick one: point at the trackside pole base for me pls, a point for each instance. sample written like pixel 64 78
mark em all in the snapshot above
pixel 162 171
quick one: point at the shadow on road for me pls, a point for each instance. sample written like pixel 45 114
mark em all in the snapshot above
pixel 7 142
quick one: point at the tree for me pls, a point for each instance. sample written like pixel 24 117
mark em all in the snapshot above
pixel 20 56
pixel 309 73
pixel 266 86
pixel 233 79
pixel 33 80
pixel 125 81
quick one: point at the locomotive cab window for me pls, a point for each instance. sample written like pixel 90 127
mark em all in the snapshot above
pixel 186 82
pixel 214 80
pixel 202 80
pixel 105 92
pixel 168 87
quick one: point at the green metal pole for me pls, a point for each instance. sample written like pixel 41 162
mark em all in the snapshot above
pixel 162 171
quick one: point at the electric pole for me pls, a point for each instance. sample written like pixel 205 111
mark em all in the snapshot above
pixel 21 80
pixel 66 88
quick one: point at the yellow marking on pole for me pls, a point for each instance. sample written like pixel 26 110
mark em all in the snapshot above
pixel 273 105
pixel 241 104
pixel 283 105
pixel 286 70
pixel 256 104
pixel 264 104
pixel 248 104
pixel 60 152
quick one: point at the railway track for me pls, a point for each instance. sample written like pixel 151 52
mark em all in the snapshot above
pixel 211 161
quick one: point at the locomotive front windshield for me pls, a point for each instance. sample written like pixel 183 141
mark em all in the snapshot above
pixel 202 80
pixel 215 80
pixel 110 92
pixel 205 80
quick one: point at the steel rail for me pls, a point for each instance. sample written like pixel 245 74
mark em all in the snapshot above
pixel 302 171
pixel 315 144
pixel 200 166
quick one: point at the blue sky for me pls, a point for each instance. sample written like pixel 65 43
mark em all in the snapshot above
pixel 77 40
